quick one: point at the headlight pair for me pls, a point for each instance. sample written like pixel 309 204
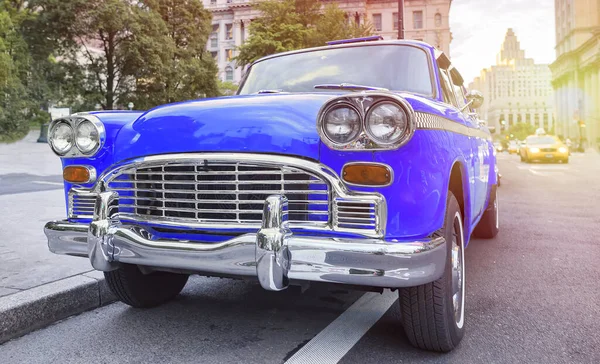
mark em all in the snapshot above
pixel 76 136
pixel 387 122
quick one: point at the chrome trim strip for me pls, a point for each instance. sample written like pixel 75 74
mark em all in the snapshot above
pixel 339 190
pixel 365 262
pixel 427 121
pixel 390 170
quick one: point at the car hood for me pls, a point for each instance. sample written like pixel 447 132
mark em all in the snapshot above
pixel 273 123
pixel 268 123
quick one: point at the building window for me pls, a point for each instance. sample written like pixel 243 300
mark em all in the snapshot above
pixel 228 73
pixel 418 19
pixel 438 20
pixel 395 15
pixel 377 21
pixel 228 31
pixel 229 55
pixel 214 36
pixel 213 2
pixel 215 56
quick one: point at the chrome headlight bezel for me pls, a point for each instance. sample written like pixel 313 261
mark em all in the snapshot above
pixel 369 131
pixel 364 102
pixel 323 122
pixel 74 121
pixel 51 131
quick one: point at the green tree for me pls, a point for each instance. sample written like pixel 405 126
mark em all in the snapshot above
pixel 14 60
pixel 520 131
pixel 227 88
pixel 184 70
pixel 93 41
pixel 294 24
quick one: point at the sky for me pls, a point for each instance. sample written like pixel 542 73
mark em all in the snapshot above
pixel 478 28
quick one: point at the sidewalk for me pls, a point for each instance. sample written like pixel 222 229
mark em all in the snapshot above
pixel 36 286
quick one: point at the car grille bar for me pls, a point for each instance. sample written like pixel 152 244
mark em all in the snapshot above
pixel 205 191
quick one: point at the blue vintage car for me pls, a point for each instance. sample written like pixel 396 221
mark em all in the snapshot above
pixel 360 163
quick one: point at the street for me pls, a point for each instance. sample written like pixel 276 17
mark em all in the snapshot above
pixel 532 296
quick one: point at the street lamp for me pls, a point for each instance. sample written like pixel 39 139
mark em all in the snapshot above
pixel 130 106
pixel 400 19
pixel 98 107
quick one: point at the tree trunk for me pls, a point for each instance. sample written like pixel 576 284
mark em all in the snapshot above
pixel 110 71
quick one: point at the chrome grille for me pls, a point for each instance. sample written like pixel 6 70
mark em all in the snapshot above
pixel 218 191
pixel 81 205
pixel 548 149
pixel 355 215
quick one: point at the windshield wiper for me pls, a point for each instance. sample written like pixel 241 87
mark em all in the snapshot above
pixel 348 86
pixel 269 91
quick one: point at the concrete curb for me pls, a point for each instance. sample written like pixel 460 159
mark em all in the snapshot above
pixel 23 312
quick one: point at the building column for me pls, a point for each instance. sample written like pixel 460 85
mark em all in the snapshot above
pixel 565 108
pixel 222 56
pixel 237 41
pixel 595 100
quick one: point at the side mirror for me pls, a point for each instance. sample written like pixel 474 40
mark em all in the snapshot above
pixel 475 99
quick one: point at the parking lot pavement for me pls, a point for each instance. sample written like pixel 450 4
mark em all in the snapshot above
pixel 29 157
pixel 532 297
pixel 36 286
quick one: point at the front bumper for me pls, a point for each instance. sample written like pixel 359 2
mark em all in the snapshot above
pixel 274 255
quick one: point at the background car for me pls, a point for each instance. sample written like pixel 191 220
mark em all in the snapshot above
pixel 499 147
pixel 302 177
pixel 544 148
pixel 513 147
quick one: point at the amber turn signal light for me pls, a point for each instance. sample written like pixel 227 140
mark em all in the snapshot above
pixel 78 174
pixel 367 174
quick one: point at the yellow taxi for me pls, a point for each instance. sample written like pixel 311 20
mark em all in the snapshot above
pixel 544 147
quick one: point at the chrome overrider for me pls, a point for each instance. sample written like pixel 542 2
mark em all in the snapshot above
pixel 274 254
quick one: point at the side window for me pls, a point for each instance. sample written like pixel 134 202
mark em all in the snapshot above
pixel 447 93
pixel 460 97
pixel 447 87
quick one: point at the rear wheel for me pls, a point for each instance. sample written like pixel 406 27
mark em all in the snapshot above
pixel 489 224
pixel 433 314
pixel 136 289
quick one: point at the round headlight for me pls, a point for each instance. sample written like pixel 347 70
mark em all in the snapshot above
pixel 61 138
pixel 342 124
pixel 87 137
pixel 386 123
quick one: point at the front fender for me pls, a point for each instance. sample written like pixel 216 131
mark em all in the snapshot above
pixel 416 200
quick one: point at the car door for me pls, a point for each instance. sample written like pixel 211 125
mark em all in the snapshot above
pixel 481 153
pixel 464 142
pixel 479 156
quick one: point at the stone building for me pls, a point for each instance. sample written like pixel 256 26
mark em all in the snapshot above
pixel 425 20
pixel 576 71
pixel 516 89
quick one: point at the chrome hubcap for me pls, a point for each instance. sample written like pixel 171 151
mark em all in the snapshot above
pixel 458 272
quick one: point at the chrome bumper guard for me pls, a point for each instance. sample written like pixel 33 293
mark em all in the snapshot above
pixel 274 255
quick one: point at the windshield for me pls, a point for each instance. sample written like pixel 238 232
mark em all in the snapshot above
pixel 541 140
pixel 394 67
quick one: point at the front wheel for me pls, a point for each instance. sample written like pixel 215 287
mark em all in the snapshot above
pixel 433 314
pixel 140 290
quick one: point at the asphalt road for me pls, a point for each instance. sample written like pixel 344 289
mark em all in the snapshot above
pixel 24 182
pixel 532 296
